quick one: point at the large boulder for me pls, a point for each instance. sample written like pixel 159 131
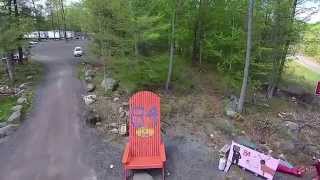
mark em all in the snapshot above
pixel 17 108
pixel 292 126
pixel 15 117
pixel 90 87
pixel 89 99
pixel 142 176
pixel 22 100
pixel 109 84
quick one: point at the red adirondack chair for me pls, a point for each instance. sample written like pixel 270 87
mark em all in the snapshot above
pixel 145 149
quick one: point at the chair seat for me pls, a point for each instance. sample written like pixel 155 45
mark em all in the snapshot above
pixel 144 163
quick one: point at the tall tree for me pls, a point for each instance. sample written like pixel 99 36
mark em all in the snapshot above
pixel 172 44
pixel 248 56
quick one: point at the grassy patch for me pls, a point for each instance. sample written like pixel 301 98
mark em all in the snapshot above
pixel 6 103
pixel 22 71
pixel 299 75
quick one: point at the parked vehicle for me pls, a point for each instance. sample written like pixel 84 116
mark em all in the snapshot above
pixel 77 52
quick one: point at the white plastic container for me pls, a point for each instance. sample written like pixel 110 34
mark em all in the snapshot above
pixel 222 163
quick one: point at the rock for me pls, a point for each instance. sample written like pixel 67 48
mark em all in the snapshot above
pixel 231 113
pixel 287 146
pixel 123 129
pixel 114 131
pixel 125 104
pixel 15 117
pixel 90 87
pixel 24 85
pixel 29 77
pixel 109 84
pixel 89 73
pixel 116 99
pixel 98 124
pixel 293 90
pixel 88 78
pixel 92 117
pixel 89 99
pixel 22 100
pixel 17 108
pixel 113 125
pixel 3 124
pixel 7 130
pixel 142 176
pixel 231 107
pixel 291 125
pixel 120 109
pixel 122 114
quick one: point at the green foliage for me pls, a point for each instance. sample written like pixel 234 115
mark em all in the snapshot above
pixel 150 72
pixel 311 40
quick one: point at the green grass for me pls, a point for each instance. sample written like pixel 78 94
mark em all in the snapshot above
pixel 299 75
pixel 6 103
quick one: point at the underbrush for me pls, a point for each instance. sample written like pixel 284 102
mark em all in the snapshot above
pixel 21 72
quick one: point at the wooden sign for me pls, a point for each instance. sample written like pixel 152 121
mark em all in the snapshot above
pixel 249 159
pixel 318 89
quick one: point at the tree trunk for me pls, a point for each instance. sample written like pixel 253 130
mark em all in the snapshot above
pixel 172 43
pixel 16 14
pixel 136 44
pixel 279 61
pixel 9 67
pixel 248 56
pixel 64 20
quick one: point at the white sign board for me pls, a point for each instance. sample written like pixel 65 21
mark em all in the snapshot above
pixel 252 160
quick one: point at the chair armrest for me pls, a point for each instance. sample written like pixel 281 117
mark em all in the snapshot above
pixel 126 154
pixel 163 153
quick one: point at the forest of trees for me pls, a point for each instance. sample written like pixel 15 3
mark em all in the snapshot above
pixel 219 32
pixel 203 31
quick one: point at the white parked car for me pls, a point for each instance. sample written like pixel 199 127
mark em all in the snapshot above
pixel 77 52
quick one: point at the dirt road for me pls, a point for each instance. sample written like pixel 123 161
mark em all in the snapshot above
pixel 308 63
pixel 49 146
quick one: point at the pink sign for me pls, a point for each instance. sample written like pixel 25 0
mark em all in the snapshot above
pixel 318 89
pixel 252 160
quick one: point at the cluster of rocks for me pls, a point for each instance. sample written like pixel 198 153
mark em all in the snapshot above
pixel 16 91
pixel 12 123
pixel 92 117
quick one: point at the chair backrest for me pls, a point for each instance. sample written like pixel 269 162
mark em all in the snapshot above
pixel 144 127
